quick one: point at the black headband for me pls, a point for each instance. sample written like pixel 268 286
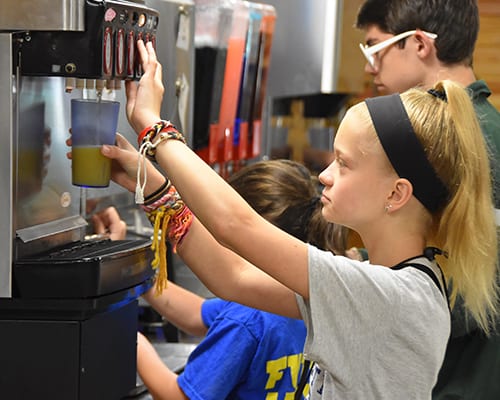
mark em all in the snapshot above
pixel 404 150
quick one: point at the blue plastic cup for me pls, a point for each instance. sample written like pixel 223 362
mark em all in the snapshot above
pixel 93 123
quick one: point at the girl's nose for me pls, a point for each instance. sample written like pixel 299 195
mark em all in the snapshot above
pixel 325 177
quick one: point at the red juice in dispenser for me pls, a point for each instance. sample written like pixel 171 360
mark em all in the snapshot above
pixel 221 140
pixel 247 84
pixel 266 36
pixel 213 21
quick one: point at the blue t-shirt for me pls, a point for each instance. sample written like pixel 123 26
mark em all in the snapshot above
pixel 246 354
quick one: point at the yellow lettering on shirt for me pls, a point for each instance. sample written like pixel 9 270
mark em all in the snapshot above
pixel 276 370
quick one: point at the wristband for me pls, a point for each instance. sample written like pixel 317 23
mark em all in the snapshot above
pixel 153 130
pixel 158 193
pixel 161 131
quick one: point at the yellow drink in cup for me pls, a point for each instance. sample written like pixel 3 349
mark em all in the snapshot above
pixel 93 123
pixel 90 168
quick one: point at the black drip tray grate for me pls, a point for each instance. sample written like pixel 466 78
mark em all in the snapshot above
pixel 89 249
pixel 84 269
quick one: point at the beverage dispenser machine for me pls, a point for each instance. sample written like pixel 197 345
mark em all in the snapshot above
pixel 68 306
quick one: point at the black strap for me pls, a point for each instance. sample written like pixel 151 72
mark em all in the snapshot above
pixel 303 379
pixel 424 269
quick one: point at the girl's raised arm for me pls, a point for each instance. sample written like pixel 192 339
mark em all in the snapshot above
pixel 224 213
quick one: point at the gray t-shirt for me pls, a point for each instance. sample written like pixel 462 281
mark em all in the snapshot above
pixel 373 332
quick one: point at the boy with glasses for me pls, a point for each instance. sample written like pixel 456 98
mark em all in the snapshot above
pixel 417 43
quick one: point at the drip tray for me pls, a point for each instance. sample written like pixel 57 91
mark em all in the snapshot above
pixel 84 269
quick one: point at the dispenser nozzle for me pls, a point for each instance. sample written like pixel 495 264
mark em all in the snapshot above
pixel 70 84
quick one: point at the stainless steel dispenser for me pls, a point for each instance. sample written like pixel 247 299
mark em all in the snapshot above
pixel 68 306
pixel 315 70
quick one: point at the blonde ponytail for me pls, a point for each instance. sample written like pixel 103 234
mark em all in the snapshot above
pixel 450 133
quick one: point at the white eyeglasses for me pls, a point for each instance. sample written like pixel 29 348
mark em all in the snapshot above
pixel 370 51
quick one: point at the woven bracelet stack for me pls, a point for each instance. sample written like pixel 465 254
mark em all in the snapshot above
pixel 148 141
pixel 165 209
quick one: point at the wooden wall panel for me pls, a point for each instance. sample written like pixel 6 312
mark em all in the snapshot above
pixel 487 54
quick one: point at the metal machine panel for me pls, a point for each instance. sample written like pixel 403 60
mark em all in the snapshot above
pixel 105 50
pixel 41 209
pixel 65 15
pixel 175 49
pixel 51 275
pixel 6 128
pixel 320 53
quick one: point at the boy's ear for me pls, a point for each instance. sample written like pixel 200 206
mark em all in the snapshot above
pixel 425 45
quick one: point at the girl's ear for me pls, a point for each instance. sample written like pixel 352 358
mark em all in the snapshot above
pixel 401 193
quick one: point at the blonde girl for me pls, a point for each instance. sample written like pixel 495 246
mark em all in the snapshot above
pixel 411 176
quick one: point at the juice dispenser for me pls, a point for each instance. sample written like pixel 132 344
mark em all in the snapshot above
pixel 266 38
pixel 221 141
pixel 247 84
pixel 213 21
pixel 68 306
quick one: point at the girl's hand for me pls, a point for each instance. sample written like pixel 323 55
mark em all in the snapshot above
pixel 108 222
pixel 144 99
pixel 124 166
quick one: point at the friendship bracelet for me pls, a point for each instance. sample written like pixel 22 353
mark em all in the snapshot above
pixel 153 206
pixel 158 193
pixel 150 147
pixel 160 219
pixel 161 131
pixel 169 199
pixel 170 223
pixel 181 222
pixel 153 130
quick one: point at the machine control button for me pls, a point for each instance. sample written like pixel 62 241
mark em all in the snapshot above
pixel 130 54
pixel 135 18
pixel 142 20
pixel 120 52
pixel 156 20
pixel 138 65
pixel 107 51
pixel 123 17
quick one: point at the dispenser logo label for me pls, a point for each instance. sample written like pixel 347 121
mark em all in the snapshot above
pixel 109 15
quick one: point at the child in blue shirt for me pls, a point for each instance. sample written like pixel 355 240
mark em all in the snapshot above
pixel 246 353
